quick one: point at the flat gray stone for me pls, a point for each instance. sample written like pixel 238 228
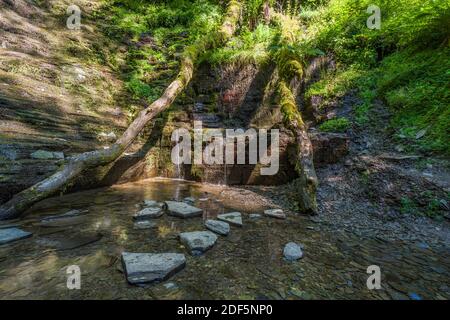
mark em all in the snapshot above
pixel 198 241
pixel 63 221
pixel 153 203
pixel 68 214
pixel 231 217
pixel 189 200
pixel 254 216
pixel 182 209
pixel 47 155
pixel 144 224
pixel 149 213
pixel 219 227
pixel 149 267
pixel 292 251
pixel 275 213
pixel 13 234
pixel 170 285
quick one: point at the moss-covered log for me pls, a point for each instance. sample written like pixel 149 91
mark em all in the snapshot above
pixel 307 181
pixel 290 70
pixel 75 165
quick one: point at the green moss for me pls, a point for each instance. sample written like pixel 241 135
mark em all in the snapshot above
pixel 335 125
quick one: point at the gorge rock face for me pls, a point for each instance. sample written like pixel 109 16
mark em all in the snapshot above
pixel 149 267
pixel 329 147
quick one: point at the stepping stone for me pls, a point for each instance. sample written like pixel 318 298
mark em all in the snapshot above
pixel 198 241
pixel 13 234
pixel 182 210
pixel 219 227
pixel 153 203
pixel 275 213
pixel 189 200
pixel 68 214
pixel 232 217
pixel 149 213
pixel 145 224
pixel 63 221
pixel 292 251
pixel 149 267
pixel 254 216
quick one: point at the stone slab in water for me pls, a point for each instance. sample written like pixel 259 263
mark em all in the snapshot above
pixel 71 213
pixel 198 241
pixel 219 227
pixel 182 209
pixel 189 200
pixel 63 221
pixel 153 203
pixel 231 217
pixel 145 224
pixel 149 213
pixel 13 234
pixel 149 267
pixel 275 213
pixel 292 251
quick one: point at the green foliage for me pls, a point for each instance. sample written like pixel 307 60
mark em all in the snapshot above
pixel 407 206
pixel 247 47
pixel 167 27
pixel 335 125
pixel 405 63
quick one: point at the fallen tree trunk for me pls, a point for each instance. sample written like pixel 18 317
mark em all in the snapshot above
pixel 290 71
pixel 307 181
pixel 75 165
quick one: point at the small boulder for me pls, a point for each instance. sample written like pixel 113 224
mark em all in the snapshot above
pixel 234 218
pixel 198 241
pixel 182 210
pixel 292 251
pixel 219 227
pixel 149 213
pixel 275 213
pixel 254 216
pixel 13 234
pixel 149 267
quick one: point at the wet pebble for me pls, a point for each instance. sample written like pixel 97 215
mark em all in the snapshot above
pixel 292 251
